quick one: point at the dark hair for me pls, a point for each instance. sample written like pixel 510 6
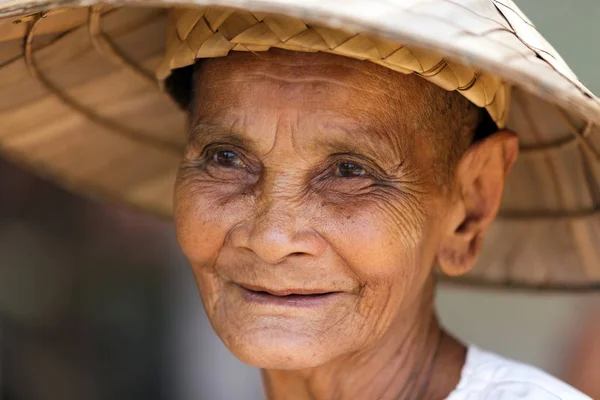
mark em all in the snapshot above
pixel 180 86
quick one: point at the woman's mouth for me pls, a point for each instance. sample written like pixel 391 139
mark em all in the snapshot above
pixel 287 297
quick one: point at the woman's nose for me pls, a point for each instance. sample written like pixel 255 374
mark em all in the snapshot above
pixel 276 234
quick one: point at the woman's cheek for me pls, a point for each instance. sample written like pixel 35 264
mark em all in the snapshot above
pixel 373 241
pixel 204 215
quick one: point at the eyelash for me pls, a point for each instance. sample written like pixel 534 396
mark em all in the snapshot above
pixel 334 166
pixel 210 153
pixel 234 163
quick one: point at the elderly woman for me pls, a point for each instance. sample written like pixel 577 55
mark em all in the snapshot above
pixel 330 172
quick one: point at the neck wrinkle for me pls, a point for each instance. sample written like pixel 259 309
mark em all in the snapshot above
pixel 400 366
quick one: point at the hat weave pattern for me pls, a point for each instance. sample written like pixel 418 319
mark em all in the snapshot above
pixel 214 32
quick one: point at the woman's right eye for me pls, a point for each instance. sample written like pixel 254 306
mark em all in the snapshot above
pixel 227 158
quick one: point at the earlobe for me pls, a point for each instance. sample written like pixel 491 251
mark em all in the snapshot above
pixel 480 178
pixel 457 254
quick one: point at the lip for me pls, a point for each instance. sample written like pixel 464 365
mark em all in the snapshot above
pixel 287 297
pixel 285 292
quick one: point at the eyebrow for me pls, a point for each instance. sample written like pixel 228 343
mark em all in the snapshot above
pixel 204 132
pixel 360 141
pixel 363 139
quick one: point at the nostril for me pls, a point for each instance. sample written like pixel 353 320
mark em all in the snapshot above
pixel 274 242
pixel 294 254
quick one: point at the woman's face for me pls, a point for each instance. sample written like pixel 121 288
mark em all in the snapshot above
pixel 307 204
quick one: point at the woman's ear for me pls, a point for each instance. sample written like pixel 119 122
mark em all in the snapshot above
pixel 480 178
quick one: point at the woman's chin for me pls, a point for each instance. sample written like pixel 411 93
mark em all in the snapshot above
pixel 281 349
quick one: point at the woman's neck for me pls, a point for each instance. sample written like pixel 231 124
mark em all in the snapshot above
pixel 416 359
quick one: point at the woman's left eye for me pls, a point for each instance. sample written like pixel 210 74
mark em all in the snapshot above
pixel 347 169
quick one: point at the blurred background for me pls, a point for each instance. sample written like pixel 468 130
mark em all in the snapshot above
pixel 96 301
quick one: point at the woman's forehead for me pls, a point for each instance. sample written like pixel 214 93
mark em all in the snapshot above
pixel 241 72
pixel 329 95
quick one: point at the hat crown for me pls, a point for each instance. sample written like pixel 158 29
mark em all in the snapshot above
pixel 81 105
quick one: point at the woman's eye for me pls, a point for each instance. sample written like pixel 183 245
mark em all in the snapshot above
pixel 349 170
pixel 228 158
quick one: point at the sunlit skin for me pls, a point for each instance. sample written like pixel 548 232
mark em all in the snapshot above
pixel 308 207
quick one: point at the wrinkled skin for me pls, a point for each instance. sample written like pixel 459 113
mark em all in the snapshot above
pixel 301 175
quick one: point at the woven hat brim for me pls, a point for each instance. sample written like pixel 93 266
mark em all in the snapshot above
pixel 547 236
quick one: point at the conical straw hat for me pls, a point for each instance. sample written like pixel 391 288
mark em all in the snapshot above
pixel 81 104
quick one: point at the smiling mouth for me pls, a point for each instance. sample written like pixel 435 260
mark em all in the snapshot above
pixel 286 297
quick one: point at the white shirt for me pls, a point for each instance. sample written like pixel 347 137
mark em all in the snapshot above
pixel 487 376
